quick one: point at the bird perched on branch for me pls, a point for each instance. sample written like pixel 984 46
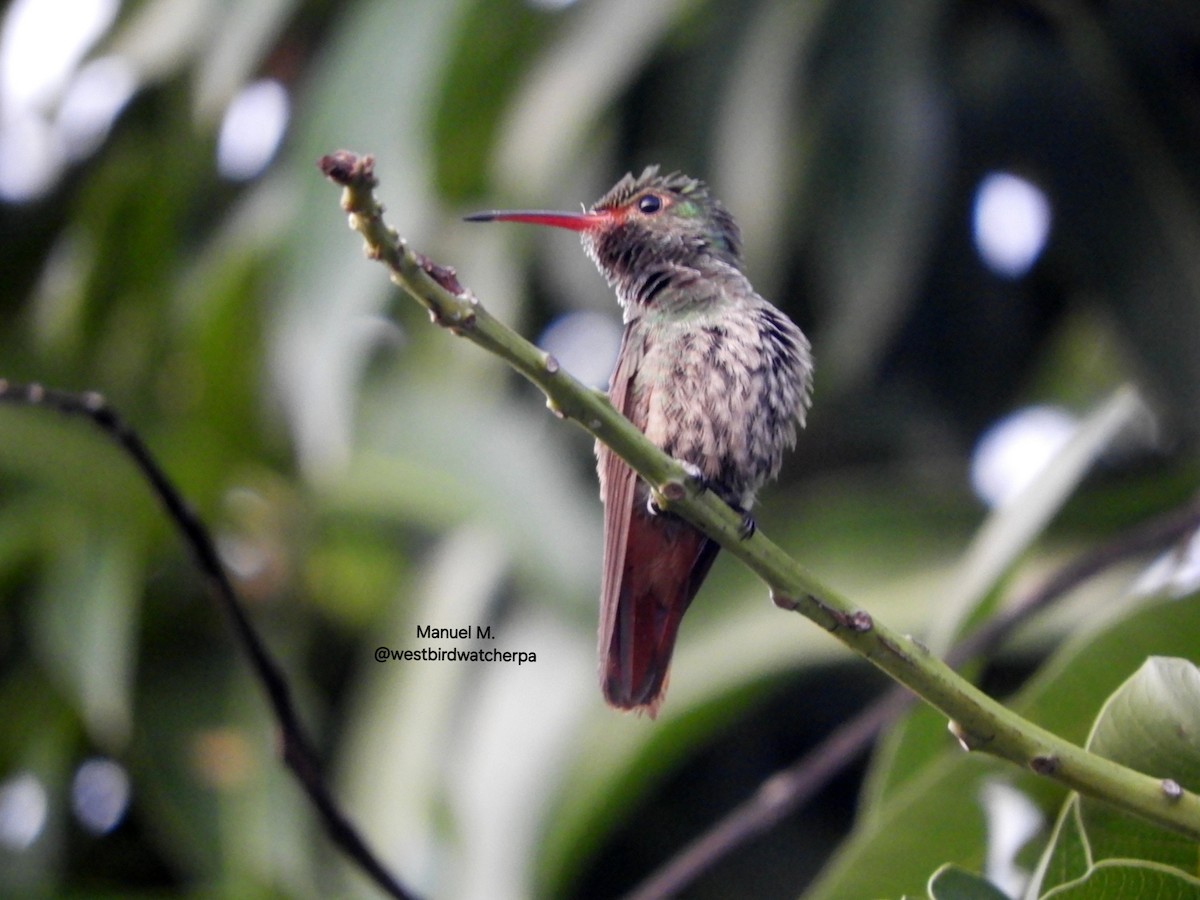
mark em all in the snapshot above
pixel 710 371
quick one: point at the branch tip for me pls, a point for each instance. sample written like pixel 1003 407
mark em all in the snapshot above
pixel 348 169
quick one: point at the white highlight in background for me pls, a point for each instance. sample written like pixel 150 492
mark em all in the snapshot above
pixel 41 45
pixel 252 129
pixel 92 102
pixel 23 808
pixel 1015 450
pixel 585 344
pixel 100 795
pixel 1010 223
pixel 1012 821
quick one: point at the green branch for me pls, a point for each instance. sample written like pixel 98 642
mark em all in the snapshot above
pixel 979 722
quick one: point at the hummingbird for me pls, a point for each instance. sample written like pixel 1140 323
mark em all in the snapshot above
pixel 710 372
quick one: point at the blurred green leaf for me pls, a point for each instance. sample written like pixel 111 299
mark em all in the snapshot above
pixel 87 627
pixel 493 46
pixel 572 84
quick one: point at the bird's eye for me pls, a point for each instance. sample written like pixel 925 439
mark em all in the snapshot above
pixel 650 204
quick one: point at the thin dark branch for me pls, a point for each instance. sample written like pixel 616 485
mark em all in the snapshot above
pixel 777 797
pixel 1153 535
pixel 297 749
pixel 789 789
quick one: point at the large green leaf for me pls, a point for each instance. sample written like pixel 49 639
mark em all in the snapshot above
pixel 887 853
pixel 1151 724
pixel 1067 855
pixel 954 883
pixel 1117 880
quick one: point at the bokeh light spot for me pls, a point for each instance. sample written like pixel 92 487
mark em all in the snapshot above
pixel 1012 820
pixel 585 344
pixel 1013 452
pixel 100 795
pixel 1011 223
pixel 92 102
pixel 23 810
pixel 252 129
pixel 41 45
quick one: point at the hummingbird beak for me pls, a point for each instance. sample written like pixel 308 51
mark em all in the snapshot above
pixel 581 221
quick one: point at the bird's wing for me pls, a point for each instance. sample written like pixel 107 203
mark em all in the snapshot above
pixel 653 565
pixel 618 482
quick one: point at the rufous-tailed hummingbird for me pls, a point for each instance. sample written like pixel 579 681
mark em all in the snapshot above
pixel 710 371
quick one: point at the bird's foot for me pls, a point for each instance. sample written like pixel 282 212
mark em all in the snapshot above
pixel 748 526
pixel 676 490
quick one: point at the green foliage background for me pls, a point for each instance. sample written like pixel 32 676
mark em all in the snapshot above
pixel 367 475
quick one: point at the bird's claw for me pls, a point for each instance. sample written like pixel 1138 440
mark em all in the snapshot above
pixel 747 527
